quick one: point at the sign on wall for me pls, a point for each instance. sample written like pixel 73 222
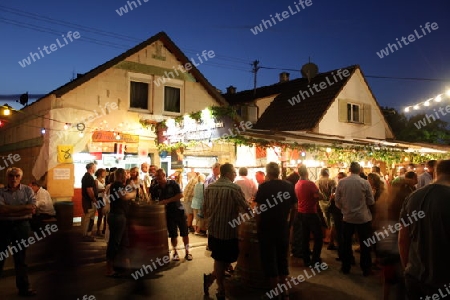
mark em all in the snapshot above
pixel 61 174
pixel 65 153
pixel 109 136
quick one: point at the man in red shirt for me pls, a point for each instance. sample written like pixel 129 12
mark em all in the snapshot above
pixel 308 195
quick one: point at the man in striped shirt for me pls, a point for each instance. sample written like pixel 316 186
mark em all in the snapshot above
pixel 223 202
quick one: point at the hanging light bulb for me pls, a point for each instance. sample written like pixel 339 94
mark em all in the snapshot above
pixel 427 102
pixel 43 130
pixel 416 107
pixel 328 149
pixel 66 126
pixel 438 98
pixel 81 134
pixel 448 92
pixel 407 109
pixel 118 136
pixel 6 111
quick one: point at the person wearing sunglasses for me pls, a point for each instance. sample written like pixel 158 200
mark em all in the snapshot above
pixel 17 205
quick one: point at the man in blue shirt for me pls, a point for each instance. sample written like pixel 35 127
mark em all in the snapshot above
pixel 17 204
pixel 214 175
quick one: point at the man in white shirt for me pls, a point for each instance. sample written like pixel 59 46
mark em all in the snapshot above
pixel 44 206
pixel 247 185
pixel 44 202
pixel 353 197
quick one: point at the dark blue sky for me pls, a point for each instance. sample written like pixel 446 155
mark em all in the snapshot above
pixel 334 34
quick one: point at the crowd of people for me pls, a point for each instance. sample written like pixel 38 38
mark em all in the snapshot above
pixel 351 207
pixel 111 196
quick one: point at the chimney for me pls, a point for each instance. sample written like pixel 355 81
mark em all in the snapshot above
pixel 231 90
pixel 284 77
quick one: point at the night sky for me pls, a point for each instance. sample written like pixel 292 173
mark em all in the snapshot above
pixel 333 34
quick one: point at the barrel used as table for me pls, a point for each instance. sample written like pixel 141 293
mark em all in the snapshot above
pixel 64 214
pixel 249 266
pixel 148 236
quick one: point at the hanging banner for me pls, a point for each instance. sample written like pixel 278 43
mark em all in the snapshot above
pixel 197 131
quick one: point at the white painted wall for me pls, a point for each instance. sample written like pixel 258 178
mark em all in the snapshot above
pixel 113 86
pixel 103 103
pixel 356 89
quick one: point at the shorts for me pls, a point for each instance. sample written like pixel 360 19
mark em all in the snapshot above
pixel 177 220
pixel 226 251
pixel 187 207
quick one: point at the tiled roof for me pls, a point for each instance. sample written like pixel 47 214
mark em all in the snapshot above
pixel 282 115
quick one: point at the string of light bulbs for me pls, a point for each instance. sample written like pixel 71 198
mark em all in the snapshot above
pixel 427 102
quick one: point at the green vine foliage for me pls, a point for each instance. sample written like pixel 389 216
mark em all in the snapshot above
pixel 337 155
pixel 222 111
pixel 196 116
pixel 218 112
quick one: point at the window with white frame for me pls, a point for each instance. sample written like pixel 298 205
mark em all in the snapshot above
pixel 139 92
pixel 172 99
pixel 354 113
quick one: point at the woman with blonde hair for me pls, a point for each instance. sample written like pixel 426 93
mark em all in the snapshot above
pixel 326 186
pixel 197 203
pixel 380 196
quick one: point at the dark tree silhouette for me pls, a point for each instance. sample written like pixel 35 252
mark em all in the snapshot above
pixel 417 128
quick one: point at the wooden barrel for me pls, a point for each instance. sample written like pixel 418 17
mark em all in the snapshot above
pixel 249 266
pixel 147 234
pixel 64 214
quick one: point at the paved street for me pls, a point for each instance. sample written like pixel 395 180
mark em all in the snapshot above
pixel 183 280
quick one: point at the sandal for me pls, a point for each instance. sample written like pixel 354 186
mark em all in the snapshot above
pixel 175 257
pixel 188 257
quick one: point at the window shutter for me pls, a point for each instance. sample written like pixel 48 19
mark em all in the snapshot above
pixel 342 110
pixel 367 114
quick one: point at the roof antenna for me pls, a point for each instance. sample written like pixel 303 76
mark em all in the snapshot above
pixel 309 70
